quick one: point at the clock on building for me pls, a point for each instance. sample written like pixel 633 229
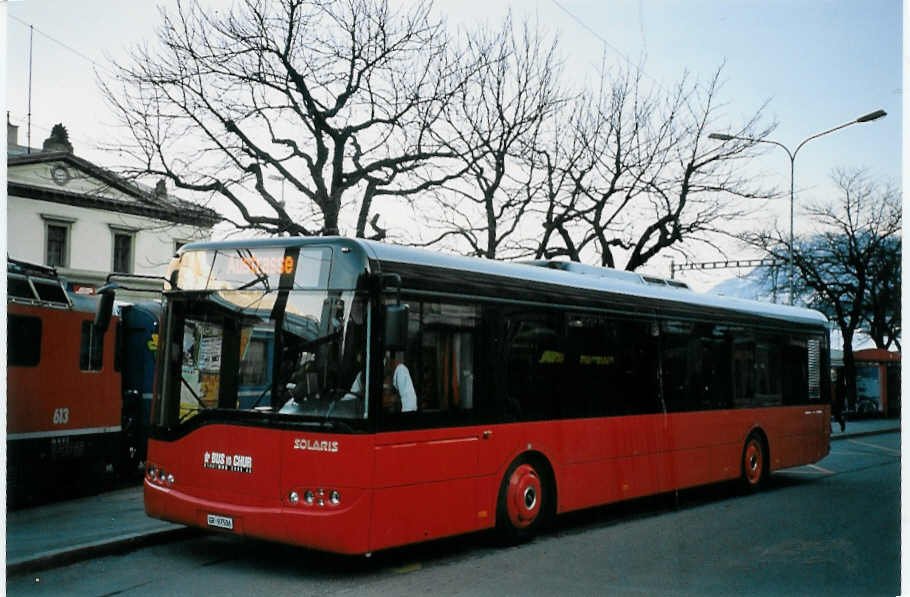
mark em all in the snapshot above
pixel 60 174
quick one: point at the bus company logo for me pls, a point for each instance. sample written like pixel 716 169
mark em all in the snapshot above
pixel 236 463
pixel 315 445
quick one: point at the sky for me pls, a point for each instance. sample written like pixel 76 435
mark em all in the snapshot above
pixel 815 64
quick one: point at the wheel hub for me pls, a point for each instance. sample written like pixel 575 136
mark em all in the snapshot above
pixel 522 496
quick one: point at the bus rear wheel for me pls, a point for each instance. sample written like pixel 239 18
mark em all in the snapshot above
pixel 524 501
pixel 754 463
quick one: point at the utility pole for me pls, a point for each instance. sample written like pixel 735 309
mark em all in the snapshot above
pixel 28 129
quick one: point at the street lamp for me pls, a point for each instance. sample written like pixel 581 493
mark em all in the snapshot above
pixel 724 137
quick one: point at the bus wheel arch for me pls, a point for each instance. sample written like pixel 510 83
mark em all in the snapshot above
pixel 756 460
pixel 527 498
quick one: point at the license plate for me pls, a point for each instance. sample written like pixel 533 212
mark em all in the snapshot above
pixel 222 522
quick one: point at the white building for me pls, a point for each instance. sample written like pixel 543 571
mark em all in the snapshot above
pixel 87 222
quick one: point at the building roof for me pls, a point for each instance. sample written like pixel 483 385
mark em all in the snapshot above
pixel 877 354
pixel 132 198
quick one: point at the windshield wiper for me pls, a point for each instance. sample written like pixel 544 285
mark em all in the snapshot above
pixel 331 425
pixel 193 392
pixel 262 395
pixel 336 424
pixel 261 277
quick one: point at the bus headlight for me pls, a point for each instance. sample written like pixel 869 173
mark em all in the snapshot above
pixel 309 496
pixel 335 497
pixel 293 497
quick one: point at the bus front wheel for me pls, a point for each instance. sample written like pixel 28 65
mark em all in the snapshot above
pixel 754 463
pixel 524 501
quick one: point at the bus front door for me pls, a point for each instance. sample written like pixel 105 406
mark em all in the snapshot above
pixel 424 485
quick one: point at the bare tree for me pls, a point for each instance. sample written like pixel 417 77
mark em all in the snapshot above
pixel 333 98
pixel 493 125
pixel 882 316
pixel 637 175
pixel 839 269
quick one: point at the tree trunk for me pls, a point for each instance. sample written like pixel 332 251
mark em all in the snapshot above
pixel 849 371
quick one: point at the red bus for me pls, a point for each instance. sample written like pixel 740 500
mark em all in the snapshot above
pixel 415 395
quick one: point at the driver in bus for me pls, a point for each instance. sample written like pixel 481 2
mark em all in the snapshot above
pixel 398 394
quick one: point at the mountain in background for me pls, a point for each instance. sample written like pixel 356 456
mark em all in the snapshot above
pixel 748 286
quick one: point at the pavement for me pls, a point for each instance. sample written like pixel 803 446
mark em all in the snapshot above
pixel 114 522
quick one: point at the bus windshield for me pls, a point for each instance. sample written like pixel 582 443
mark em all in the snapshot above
pixel 284 351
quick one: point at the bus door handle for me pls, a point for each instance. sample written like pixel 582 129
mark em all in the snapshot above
pixel 486 434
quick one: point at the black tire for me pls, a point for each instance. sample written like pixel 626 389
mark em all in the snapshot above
pixel 754 463
pixel 525 501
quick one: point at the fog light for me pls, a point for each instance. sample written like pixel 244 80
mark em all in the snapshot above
pixel 308 496
pixel 293 497
pixel 335 497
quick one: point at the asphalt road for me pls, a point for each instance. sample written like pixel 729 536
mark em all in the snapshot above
pixel 827 529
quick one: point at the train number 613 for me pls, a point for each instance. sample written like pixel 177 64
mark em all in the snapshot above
pixel 61 416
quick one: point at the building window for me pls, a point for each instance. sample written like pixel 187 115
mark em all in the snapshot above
pixel 123 252
pixel 57 247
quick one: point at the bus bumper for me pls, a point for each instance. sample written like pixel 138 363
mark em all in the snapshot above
pixel 340 529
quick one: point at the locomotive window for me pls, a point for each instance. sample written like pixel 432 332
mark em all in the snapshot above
pixel 19 288
pixel 91 348
pixel 50 291
pixel 23 341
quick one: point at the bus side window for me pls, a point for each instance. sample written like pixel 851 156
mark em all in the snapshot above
pixel 637 381
pixel 440 360
pixel 535 366
pixel 743 371
pixel 768 374
pixel 717 382
pixel 680 363
pixel 796 371
pixel 23 347
pixel 441 356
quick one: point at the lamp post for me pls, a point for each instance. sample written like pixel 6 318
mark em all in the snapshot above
pixel 792 155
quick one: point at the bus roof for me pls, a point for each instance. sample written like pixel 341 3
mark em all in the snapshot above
pixel 555 273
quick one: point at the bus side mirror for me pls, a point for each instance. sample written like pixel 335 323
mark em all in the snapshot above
pixel 105 308
pixel 396 327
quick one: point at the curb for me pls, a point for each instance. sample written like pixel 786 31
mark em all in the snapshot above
pixel 835 437
pixel 78 553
